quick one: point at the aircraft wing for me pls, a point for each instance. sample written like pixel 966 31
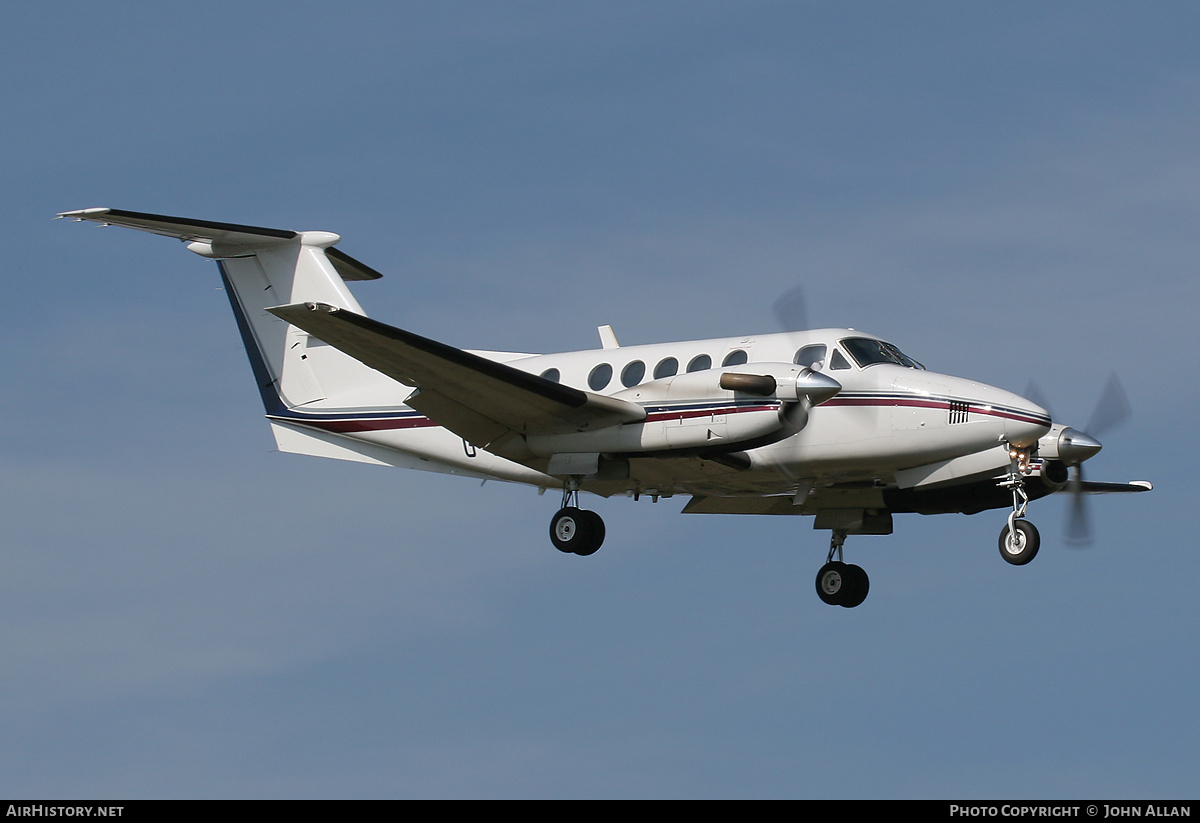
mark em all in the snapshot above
pixel 1092 487
pixel 480 400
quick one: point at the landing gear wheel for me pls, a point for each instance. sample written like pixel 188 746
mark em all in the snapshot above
pixel 566 529
pixel 859 584
pixel 576 531
pixel 842 584
pixel 1021 544
pixel 831 580
pixel 594 526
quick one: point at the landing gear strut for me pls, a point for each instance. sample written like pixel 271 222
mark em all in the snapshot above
pixel 838 583
pixel 1019 539
pixel 574 530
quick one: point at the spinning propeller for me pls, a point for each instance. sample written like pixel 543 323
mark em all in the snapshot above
pixel 1112 409
pixel 791 310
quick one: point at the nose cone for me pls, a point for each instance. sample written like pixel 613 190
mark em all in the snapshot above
pixel 1024 421
pixel 991 414
pixel 1026 425
pixel 1074 446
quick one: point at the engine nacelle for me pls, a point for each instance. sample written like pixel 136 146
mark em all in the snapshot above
pixel 783 381
pixel 669 427
pixel 711 409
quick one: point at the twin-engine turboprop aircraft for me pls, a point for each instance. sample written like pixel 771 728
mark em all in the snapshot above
pixel 833 423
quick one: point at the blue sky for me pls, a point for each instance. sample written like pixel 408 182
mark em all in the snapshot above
pixel 1008 191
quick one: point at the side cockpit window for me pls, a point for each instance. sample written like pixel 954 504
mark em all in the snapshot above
pixel 838 361
pixel 812 357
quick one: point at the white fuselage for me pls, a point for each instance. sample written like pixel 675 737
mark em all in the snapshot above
pixel 886 418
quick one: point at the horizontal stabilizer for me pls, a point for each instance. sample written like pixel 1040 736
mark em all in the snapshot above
pixel 181 228
pixel 478 399
pixel 299 439
pixel 221 235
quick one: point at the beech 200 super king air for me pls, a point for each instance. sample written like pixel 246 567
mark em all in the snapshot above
pixel 833 423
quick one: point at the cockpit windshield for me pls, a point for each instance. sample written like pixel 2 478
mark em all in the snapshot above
pixel 868 351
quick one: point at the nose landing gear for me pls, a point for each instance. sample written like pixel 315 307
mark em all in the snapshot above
pixel 838 583
pixel 1019 539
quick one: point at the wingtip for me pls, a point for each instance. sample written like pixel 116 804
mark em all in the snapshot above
pixel 79 214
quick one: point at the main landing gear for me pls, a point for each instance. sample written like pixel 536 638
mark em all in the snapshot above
pixel 574 530
pixel 1019 539
pixel 838 583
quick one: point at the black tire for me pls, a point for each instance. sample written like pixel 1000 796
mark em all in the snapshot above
pixel 576 531
pixel 859 584
pixel 832 583
pixel 593 533
pixel 567 529
pixel 1022 546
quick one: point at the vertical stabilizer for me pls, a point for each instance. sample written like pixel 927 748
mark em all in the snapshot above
pixel 295 271
pixel 262 268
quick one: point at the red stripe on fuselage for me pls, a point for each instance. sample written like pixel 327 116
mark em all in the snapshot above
pixel 916 402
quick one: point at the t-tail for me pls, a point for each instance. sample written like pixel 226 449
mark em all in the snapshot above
pixel 297 374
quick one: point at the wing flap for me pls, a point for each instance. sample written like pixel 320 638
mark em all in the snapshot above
pixel 702 504
pixel 478 399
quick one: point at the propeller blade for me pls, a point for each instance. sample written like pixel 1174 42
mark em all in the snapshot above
pixel 1034 393
pixel 1112 409
pixel 1079 521
pixel 791 310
